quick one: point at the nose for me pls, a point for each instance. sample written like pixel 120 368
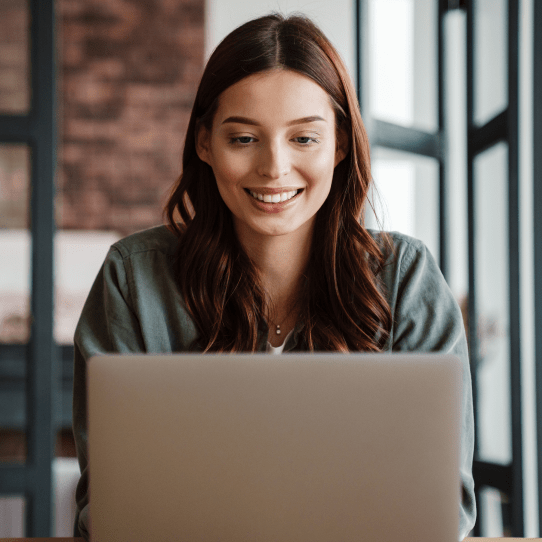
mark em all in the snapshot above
pixel 274 161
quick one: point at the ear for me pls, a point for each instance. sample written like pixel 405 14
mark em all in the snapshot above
pixel 203 144
pixel 342 146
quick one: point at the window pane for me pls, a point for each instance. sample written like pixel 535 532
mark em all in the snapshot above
pixel 494 513
pixel 403 45
pixel 492 255
pixel 128 80
pixel 65 477
pixel 407 195
pixel 14 244
pixel 78 258
pixel 490 59
pixel 14 51
pixel 456 147
pixel 12 516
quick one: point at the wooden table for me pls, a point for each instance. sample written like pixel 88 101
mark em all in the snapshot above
pixel 81 539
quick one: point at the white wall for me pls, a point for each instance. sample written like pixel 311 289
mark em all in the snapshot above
pixel 334 17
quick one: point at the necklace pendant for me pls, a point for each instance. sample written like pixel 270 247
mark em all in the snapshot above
pixel 277 331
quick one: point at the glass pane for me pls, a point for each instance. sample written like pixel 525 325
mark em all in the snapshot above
pixel 14 244
pixel 14 55
pixel 78 258
pixel 65 477
pixel 403 45
pixel 493 371
pixel 407 196
pixel 126 105
pixel 490 59
pixel 12 516
pixel 494 513
pixel 456 146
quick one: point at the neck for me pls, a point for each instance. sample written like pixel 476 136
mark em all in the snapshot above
pixel 281 261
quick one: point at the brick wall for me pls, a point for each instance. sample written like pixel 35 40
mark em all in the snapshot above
pixel 14 99
pixel 127 77
pixel 14 92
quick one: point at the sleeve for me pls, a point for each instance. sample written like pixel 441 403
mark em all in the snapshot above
pixel 428 318
pixel 107 324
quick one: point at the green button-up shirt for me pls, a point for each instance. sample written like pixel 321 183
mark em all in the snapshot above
pixel 135 306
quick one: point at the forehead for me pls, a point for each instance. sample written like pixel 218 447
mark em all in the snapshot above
pixel 275 96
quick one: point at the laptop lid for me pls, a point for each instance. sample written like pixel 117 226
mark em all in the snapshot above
pixel 309 447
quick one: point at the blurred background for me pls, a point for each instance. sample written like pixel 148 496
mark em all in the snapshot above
pixel 95 97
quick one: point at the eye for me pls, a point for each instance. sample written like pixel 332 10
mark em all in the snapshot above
pixel 305 140
pixel 241 140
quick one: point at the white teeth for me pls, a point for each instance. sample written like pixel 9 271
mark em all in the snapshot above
pixel 274 198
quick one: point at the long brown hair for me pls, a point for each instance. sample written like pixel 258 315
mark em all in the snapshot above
pixel 342 306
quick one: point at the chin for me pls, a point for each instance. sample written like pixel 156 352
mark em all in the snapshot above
pixel 272 231
pixel 254 228
pixel 277 232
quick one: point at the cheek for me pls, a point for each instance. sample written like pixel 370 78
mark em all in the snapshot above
pixel 320 171
pixel 230 169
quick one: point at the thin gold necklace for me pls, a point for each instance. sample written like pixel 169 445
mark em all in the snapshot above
pixel 277 326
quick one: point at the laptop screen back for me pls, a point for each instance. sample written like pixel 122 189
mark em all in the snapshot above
pixel 300 448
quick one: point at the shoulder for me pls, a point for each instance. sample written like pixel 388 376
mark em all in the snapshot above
pixel 141 259
pixel 410 274
pixel 426 316
pixel 401 250
pixel 158 239
pixel 399 240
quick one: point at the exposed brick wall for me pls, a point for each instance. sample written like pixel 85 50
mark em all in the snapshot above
pixel 129 73
pixel 14 99
pixel 14 92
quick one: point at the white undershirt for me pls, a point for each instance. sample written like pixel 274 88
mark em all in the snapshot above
pixel 278 349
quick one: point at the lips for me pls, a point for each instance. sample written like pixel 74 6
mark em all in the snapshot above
pixel 273 198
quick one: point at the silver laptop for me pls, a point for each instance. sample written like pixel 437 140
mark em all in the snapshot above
pixel 291 448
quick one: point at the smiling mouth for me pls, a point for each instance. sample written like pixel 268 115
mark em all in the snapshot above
pixel 274 198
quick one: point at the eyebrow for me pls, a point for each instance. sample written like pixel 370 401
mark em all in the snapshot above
pixel 251 122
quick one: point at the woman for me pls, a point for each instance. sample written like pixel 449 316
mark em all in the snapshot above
pixel 265 248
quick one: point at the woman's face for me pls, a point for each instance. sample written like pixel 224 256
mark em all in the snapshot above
pixel 273 149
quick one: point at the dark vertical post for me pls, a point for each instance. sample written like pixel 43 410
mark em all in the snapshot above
pixel 472 313
pixel 514 270
pixel 443 186
pixel 359 21
pixel 472 310
pixel 41 369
